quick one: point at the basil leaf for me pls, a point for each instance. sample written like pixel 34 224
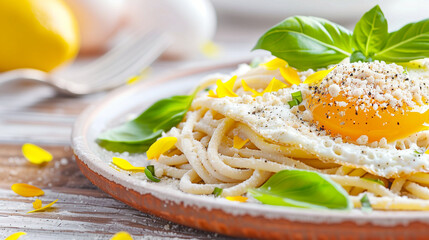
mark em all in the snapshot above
pixel 370 33
pixel 137 135
pixel 307 42
pixel 358 56
pixel 408 43
pixel 302 189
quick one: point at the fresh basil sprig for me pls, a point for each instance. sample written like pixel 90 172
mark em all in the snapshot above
pixel 307 42
pixel 302 189
pixel 310 42
pixel 370 33
pixel 137 135
pixel 409 43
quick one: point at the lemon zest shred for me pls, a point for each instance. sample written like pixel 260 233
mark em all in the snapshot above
pixel 15 236
pixel 27 190
pixel 212 94
pixel 161 146
pixel 223 91
pixel 231 82
pixel 290 75
pixel 122 235
pixel 318 76
pixel 37 204
pixel 125 165
pixel 275 63
pixel 36 154
pixel 247 88
pixel 274 86
pixel 236 198
pixel 44 207
pixel 238 142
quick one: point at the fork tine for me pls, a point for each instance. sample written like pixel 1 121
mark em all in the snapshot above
pixel 134 59
pixel 112 54
pixel 135 68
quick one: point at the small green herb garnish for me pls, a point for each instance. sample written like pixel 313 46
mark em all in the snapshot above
pixel 137 135
pixel 296 99
pixel 217 191
pixel 310 42
pixel 302 189
pixel 365 204
pixel 418 153
pixel 150 173
pixel 405 70
pixel 255 62
pixel 375 180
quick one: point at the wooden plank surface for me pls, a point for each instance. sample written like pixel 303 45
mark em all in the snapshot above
pixel 34 113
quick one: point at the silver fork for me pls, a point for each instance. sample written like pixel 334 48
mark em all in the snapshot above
pixel 128 58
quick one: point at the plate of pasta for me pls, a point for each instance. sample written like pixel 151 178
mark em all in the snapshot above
pixel 327 140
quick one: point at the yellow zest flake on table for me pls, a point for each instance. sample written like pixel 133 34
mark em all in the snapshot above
pixel 273 86
pixel 36 154
pixel 44 208
pixel 161 146
pixel 125 165
pixel 224 89
pixel 27 190
pixel 37 204
pixel 274 64
pixel 290 75
pixel 210 49
pixel 15 236
pixel 318 76
pixel 236 198
pixel 238 142
pixel 122 235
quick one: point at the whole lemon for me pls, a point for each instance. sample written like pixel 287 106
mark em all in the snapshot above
pixel 41 34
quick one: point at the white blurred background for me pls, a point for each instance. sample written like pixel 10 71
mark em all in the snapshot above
pixel 233 26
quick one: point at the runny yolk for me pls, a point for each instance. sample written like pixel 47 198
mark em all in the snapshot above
pixel 343 116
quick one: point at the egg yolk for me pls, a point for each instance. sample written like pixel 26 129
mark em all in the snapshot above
pixel 342 115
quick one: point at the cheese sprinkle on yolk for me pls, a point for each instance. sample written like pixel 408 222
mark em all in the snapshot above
pixel 366 104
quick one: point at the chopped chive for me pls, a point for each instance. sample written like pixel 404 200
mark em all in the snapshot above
pixel 365 204
pixel 405 70
pixel 375 180
pixel 206 89
pixel 150 173
pixel 297 95
pixel 418 153
pixel 255 62
pixel 296 99
pixel 217 191
pixel 292 103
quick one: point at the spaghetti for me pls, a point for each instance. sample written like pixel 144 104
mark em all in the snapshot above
pixel 204 158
